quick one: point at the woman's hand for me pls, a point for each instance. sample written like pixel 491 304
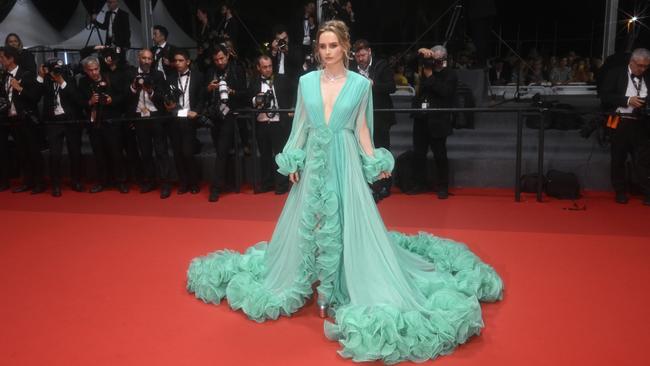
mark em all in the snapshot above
pixel 294 178
pixel 384 175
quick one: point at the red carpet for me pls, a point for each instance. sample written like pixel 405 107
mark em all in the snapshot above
pixel 100 280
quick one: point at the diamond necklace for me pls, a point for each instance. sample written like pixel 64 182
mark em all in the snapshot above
pixel 332 78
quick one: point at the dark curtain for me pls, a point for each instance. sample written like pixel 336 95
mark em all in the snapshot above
pixel 5 8
pixel 57 13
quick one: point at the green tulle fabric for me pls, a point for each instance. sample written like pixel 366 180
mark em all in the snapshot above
pixel 393 297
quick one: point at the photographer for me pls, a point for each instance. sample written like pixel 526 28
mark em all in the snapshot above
pixel 381 78
pixel 307 30
pixel 287 58
pixel 58 89
pixel 161 50
pixel 20 92
pixel 146 101
pixel 226 89
pixel 624 94
pixel 437 89
pixel 116 24
pixel 100 96
pixel 114 65
pixel 271 128
pixel 184 98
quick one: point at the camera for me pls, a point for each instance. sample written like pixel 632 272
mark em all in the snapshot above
pixel 282 44
pixel 56 66
pixel 100 88
pixel 143 81
pixel 171 94
pixel 110 54
pixel 432 63
pixel 223 90
pixel 264 101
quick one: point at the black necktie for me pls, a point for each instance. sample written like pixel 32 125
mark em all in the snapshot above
pixel 186 73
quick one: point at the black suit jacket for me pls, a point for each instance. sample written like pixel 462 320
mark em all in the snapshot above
pixel 26 101
pixel 159 83
pixel 113 87
pixel 383 85
pixel 121 29
pixel 613 87
pixel 165 52
pixel 67 95
pixel 236 79
pixel 284 96
pixel 440 91
pixel 197 90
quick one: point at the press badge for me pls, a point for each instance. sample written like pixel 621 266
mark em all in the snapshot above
pixel 183 112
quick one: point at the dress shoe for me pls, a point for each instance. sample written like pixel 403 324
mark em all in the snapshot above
pixel 646 200
pixel 123 188
pixel 56 191
pixel 195 189
pixel 621 198
pixel 417 190
pixel 4 186
pixel 443 195
pixel 96 188
pixel 77 187
pixel 165 192
pixel 147 187
pixel 39 188
pixel 214 196
pixel 21 188
pixel 182 189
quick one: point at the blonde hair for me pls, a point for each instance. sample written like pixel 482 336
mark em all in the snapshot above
pixel 342 33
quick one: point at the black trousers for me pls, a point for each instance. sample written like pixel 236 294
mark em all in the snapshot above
pixel 133 166
pixel 28 151
pixel 152 136
pixel 381 138
pixel 271 137
pixel 422 141
pixel 106 142
pixel 182 134
pixel 56 134
pixel 223 138
pixel 629 136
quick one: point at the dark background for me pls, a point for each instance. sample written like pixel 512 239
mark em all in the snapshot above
pixel 551 27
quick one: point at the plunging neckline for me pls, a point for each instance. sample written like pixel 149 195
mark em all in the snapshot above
pixel 327 121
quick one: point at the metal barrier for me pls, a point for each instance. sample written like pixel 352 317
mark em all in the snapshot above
pixel 249 115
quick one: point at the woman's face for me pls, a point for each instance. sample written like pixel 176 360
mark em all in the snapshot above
pixel 330 49
pixel 13 42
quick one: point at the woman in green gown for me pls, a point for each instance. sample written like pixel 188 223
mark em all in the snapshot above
pixel 390 296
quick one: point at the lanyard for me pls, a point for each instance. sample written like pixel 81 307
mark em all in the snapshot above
pixel 183 87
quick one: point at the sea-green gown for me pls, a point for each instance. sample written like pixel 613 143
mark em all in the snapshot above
pixel 391 296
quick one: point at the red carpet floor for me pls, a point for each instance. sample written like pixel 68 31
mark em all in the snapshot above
pixel 100 280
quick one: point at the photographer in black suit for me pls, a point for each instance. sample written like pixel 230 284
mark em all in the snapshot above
pixel 161 50
pixel 185 100
pixel 623 92
pixel 116 24
pixel 146 101
pixel 226 90
pixel 20 92
pixel 437 89
pixel 59 91
pixel 102 96
pixel 381 77
pixel 271 128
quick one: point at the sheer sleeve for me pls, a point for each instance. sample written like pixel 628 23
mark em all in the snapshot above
pixel 374 160
pixel 292 157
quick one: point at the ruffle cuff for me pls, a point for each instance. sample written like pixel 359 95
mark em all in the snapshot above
pixel 381 161
pixel 290 161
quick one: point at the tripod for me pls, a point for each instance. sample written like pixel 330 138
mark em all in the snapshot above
pixel 90 24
